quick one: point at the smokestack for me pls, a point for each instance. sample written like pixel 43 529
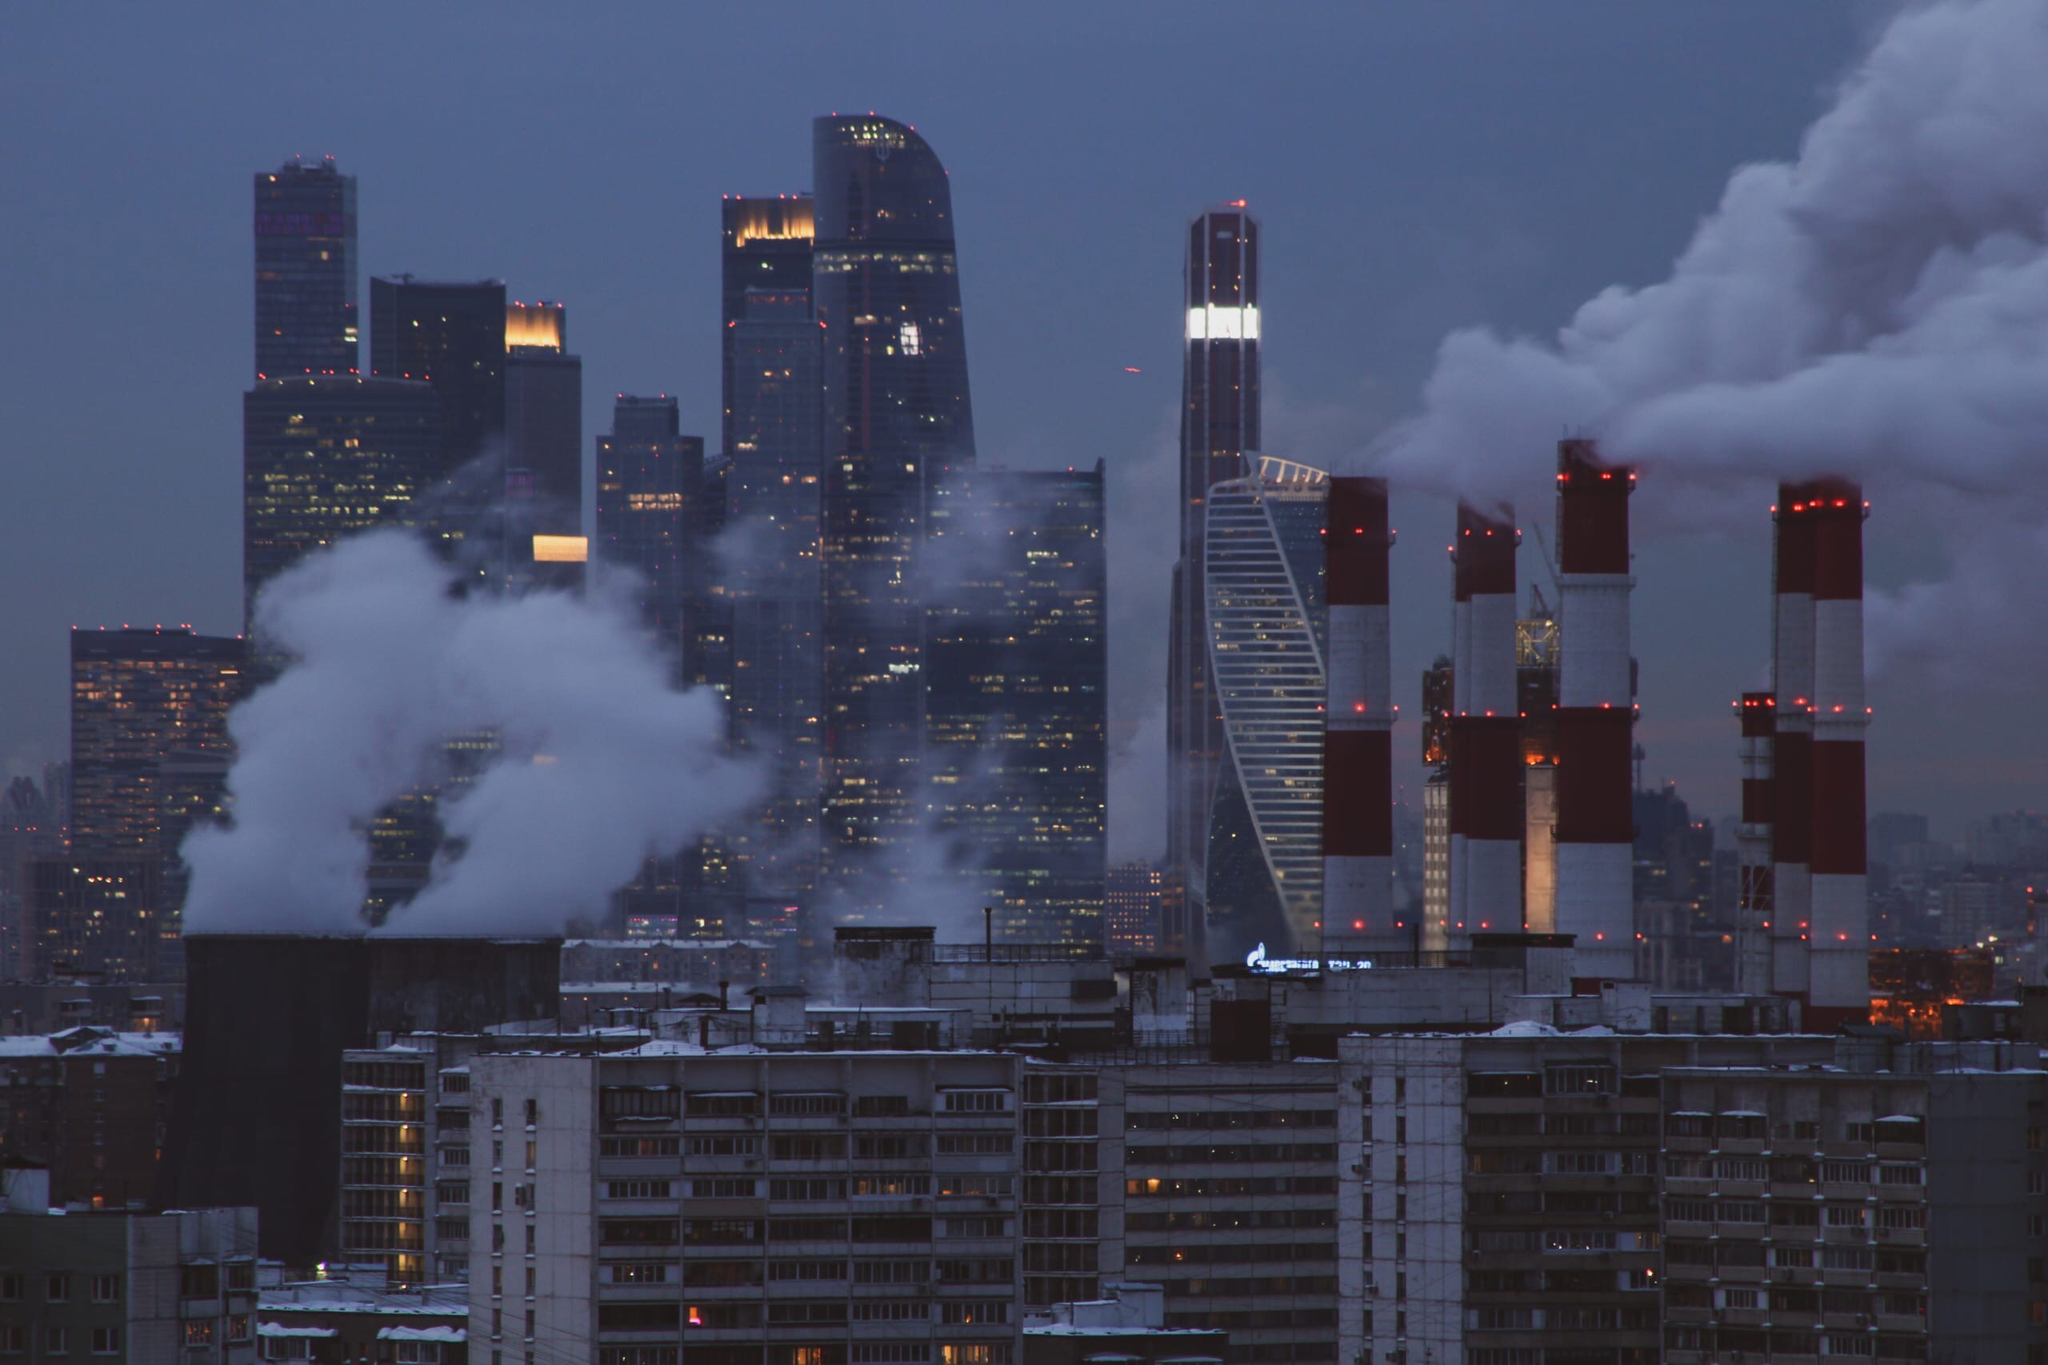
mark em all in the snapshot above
pixel 1358 813
pixel 1595 715
pixel 1757 713
pixel 1838 990
pixel 1486 757
pixel 1792 741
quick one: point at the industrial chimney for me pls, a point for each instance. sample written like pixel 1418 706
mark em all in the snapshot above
pixel 1358 819
pixel 1792 742
pixel 1486 785
pixel 1838 990
pixel 1596 715
pixel 1757 713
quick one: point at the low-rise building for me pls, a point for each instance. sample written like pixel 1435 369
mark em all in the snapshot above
pixel 141 1286
pixel 336 1321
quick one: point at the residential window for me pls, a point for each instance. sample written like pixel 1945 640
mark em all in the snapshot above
pixel 57 1289
pixel 10 1288
pixel 106 1288
pixel 56 1341
pixel 199 1332
pixel 106 1341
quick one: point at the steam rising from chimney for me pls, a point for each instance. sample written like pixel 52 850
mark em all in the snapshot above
pixel 1873 309
pixel 601 764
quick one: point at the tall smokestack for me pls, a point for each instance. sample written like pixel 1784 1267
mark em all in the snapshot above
pixel 1358 763
pixel 1485 750
pixel 1792 742
pixel 1595 715
pixel 1757 712
pixel 1838 989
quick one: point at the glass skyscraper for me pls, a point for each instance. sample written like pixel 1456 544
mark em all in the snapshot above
pixel 1016 700
pixel 1267 633
pixel 453 337
pixel 305 223
pixel 773 352
pixel 897 417
pixel 323 456
pixel 149 756
pixel 1219 425
pixel 649 477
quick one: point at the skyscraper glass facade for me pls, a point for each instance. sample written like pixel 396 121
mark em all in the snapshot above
pixel 324 456
pixel 1016 709
pixel 305 223
pixel 1219 424
pixel 648 482
pixel 771 574
pixel 897 417
pixel 452 336
pixel 1268 627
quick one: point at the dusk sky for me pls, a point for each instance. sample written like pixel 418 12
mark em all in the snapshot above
pixel 1416 167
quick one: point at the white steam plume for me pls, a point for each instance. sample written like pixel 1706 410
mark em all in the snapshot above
pixel 601 765
pixel 1876 308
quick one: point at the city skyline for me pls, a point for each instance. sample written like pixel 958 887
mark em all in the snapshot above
pixel 1321 404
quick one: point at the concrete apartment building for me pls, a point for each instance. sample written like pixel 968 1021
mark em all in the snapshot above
pixel 844 1208
pixel 152 1288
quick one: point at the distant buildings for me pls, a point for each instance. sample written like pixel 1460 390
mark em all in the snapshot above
pixel 1266 621
pixel 325 457
pixel 897 418
pixel 149 758
pixel 178 1285
pixel 1132 901
pixel 1219 426
pixel 305 230
pixel 1016 683
pixel 543 444
pixel 453 337
pixel 91 1106
pixel 773 349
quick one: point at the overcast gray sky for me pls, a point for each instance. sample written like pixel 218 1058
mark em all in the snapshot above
pixel 1417 166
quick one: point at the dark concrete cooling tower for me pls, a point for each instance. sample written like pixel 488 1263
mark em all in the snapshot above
pixel 258 1113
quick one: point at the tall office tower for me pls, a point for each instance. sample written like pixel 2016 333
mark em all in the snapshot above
pixel 648 481
pixel 326 456
pixel 149 749
pixel 1267 627
pixel 1016 699
pixel 305 270
pixel 453 337
pixel 543 422
pixel 1219 424
pixel 897 419
pixel 771 577
pixel 767 247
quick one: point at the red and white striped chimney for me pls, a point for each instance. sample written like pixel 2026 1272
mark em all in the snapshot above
pixel 1486 750
pixel 1757 713
pixel 1838 989
pixel 1438 936
pixel 1595 716
pixel 1358 761
pixel 1792 742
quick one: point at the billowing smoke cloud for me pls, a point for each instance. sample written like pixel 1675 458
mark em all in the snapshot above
pixel 601 764
pixel 1878 307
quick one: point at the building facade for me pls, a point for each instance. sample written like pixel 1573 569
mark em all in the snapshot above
pixel 1219 425
pixel 1266 620
pixel 1016 705
pixel 305 230
pixel 90 1106
pixel 543 428
pixel 897 419
pixel 451 336
pixel 325 457
pixel 748 1206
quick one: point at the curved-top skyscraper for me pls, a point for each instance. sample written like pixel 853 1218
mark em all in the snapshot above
pixel 896 417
